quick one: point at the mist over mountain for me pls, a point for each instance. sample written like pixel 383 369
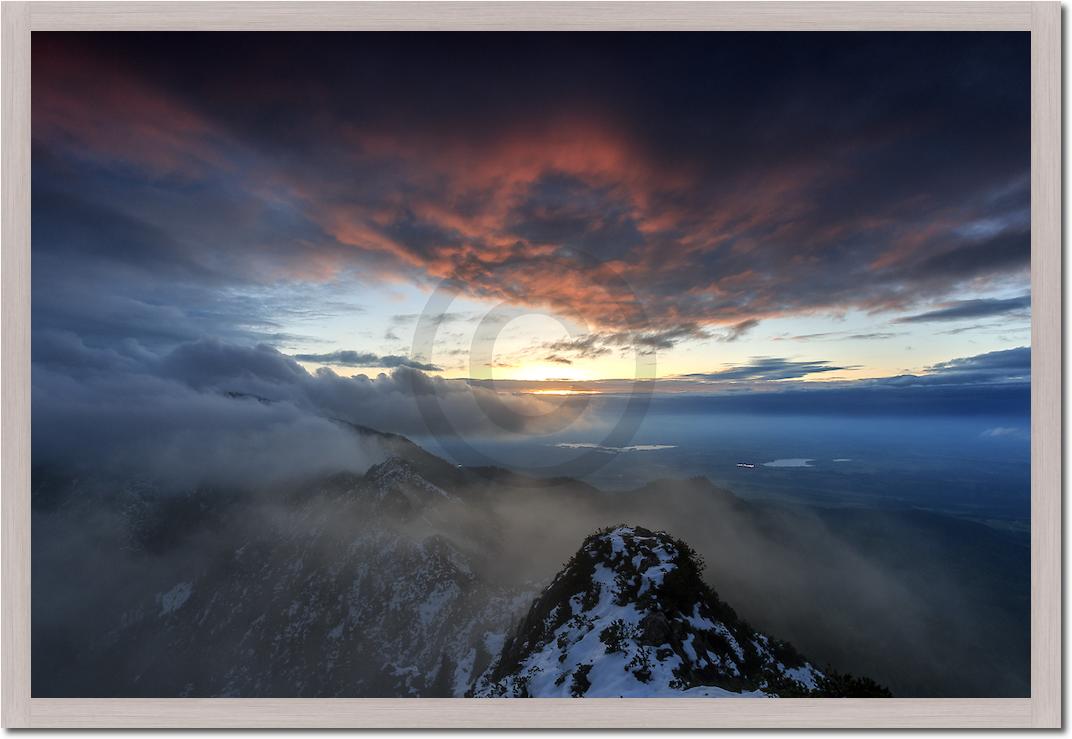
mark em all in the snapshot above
pixel 414 576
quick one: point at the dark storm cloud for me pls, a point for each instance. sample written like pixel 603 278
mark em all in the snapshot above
pixel 1009 366
pixel 434 319
pixel 662 339
pixel 78 228
pixel 653 183
pixel 1005 251
pixel 643 343
pixel 768 368
pixel 111 263
pixel 874 335
pixel 567 212
pixel 840 335
pixel 961 309
pixel 350 358
pixel 738 330
pixel 589 346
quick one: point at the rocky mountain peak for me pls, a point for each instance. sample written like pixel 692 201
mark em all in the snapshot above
pixel 630 615
pixel 396 482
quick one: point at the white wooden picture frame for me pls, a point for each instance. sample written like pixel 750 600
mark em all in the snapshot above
pixel 1042 709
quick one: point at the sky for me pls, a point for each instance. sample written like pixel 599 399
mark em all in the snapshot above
pixel 555 211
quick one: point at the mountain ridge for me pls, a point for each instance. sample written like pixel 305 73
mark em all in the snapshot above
pixel 629 616
pixel 426 565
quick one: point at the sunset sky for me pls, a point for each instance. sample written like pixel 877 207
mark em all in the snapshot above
pixel 758 207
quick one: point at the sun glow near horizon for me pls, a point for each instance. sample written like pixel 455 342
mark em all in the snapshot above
pixel 547 372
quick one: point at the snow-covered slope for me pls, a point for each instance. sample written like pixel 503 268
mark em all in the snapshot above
pixel 396 483
pixel 357 585
pixel 630 616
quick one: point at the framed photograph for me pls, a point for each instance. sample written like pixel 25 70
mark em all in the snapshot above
pixel 531 365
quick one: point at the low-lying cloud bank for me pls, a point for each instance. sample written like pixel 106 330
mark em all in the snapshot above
pixel 212 412
pixel 351 358
pixel 209 412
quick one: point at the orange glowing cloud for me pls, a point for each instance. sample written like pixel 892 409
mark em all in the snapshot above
pixel 578 209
